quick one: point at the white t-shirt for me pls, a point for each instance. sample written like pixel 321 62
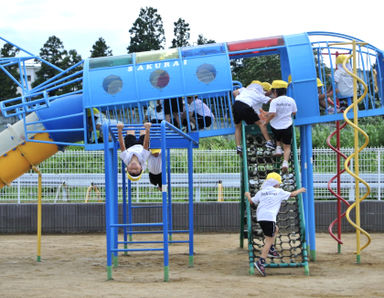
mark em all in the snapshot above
pixel 253 96
pixel 154 164
pixel 154 115
pixel 283 106
pixel 200 108
pixel 344 83
pixel 137 150
pixel 269 200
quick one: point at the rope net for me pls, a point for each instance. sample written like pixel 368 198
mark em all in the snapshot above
pixel 289 240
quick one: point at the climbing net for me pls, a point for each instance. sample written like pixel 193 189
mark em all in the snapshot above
pixel 289 241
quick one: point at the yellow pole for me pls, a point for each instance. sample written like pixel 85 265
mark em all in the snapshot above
pixel 220 197
pixel 356 151
pixel 38 214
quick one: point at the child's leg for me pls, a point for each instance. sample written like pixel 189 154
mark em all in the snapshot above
pixel 287 151
pixel 268 242
pixel 238 134
pixel 264 130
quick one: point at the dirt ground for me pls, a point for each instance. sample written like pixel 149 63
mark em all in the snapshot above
pixel 75 266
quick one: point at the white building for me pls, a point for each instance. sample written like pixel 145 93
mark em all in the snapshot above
pixel 31 69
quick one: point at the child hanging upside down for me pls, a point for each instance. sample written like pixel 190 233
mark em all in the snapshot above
pixel 134 153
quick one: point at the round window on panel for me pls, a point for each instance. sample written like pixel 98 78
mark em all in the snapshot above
pixel 159 78
pixel 112 84
pixel 206 73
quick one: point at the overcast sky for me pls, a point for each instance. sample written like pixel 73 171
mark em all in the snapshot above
pixel 80 23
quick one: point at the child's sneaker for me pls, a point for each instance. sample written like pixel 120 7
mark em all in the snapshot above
pixel 278 151
pixel 269 144
pixel 273 254
pixel 284 167
pixel 260 267
pixel 239 151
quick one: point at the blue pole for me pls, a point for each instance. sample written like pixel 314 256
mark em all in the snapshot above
pixel 170 219
pixel 165 209
pixel 190 202
pixel 124 190
pixel 304 178
pixel 108 200
pixel 130 229
pixel 310 193
pixel 115 231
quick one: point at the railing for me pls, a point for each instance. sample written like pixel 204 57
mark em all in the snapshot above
pixel 78 170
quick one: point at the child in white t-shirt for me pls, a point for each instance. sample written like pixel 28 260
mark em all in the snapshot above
pixel 200 115
pixel 268 200
pixel 344 82
pixel 281 110
pixel 134 153
pixel 248 102
pixel 154 168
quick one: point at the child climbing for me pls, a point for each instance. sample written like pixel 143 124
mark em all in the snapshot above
pixel 268 200
pixel 248 102
pixel 281 110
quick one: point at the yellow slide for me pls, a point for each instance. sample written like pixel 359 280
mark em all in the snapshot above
pixel 18 156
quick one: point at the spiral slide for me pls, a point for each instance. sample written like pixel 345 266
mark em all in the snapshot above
pixel 61 122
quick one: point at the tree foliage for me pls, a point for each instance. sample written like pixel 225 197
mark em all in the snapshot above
pixel 181 32
pixel 8 87
pixel 147 32
pixel 202 40
pixel 100 49
pixel 53 52
pixel 262 68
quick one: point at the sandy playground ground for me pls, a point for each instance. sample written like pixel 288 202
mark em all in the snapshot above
pixel 74 266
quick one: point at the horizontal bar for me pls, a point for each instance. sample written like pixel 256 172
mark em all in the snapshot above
pixel 155 224
pixel 137 249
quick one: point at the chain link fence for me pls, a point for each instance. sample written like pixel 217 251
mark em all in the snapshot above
pixel 78 176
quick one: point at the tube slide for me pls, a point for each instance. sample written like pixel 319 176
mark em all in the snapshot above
pixel 17 156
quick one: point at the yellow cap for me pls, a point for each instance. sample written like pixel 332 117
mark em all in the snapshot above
pixel 341 58
pixel 154 151
pixel 319 83
pixel 255 82
pixel 266 86
pixel 95 112
pixel 278 84
pixel 134 178
pixel 275 176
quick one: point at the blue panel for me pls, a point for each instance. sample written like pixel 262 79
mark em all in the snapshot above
pixel 303 72
pixel 204 50
pixel 160 79
pixel 109 86
pixel 207 74
pixel 64 106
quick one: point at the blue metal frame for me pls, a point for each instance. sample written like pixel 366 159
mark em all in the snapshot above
pixel 166 134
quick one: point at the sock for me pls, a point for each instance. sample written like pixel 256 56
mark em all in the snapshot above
pixel 272 248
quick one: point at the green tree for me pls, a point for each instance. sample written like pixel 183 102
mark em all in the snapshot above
pixel 69 60
pixel 202 40
pixel 100 49
pixel 181 32
pixel 262 68
pixel 147 32
pixel 8 88
pixel 53 52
